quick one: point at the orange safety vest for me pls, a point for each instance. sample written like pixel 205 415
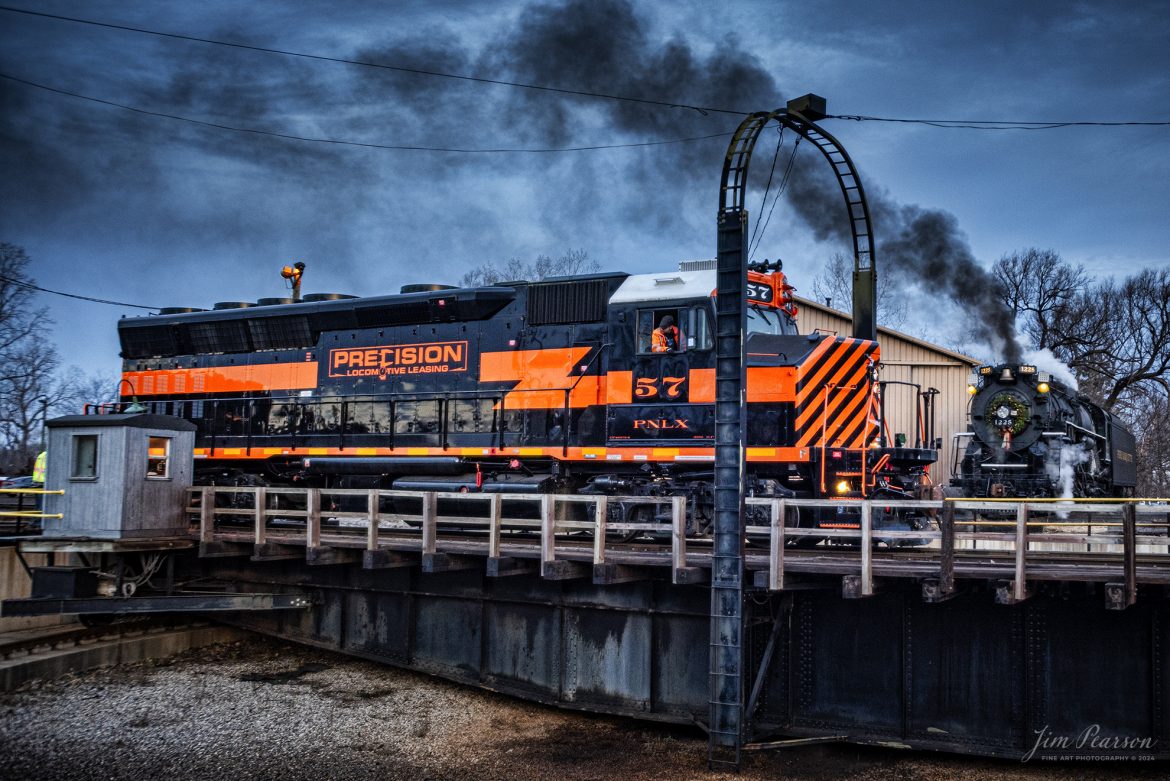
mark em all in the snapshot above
pixel 664 340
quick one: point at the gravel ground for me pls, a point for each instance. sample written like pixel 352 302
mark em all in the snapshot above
pixel 262 709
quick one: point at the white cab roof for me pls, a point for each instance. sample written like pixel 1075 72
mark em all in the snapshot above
pixel 665 286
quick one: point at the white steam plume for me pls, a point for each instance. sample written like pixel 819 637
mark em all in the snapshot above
pixel 1045 361
pixel 1061 468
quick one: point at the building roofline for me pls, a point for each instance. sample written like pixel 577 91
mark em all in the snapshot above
pixel 810 304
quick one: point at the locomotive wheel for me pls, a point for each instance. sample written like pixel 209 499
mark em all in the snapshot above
pixel 806 518
pixel 639 513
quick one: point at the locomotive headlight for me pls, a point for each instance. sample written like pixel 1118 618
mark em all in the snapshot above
pixel 971 389
pixel 842 486
pixel 1042 387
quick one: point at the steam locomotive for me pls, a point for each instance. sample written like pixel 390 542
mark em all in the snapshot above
pixel 551 386
pixel 1033 436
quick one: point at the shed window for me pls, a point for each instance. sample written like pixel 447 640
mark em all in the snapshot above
pixel 158 458
pixel 84 457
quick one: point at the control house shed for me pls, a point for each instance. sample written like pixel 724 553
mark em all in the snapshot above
pixel 123 476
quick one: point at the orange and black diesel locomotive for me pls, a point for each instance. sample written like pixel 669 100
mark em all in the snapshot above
pixel 557 385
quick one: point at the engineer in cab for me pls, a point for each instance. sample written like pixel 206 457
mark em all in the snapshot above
pixel 666 337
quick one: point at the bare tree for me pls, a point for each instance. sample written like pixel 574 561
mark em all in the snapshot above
pixel 1041 288
pixel 32 386
pixel 81 389
pixel 30 392
pixel 18 318
pixel 1117 337
pixel 1153 447
pixel 1114 336
pixel 575 261
pixel 835 284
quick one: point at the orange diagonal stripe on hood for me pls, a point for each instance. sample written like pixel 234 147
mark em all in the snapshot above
pixel 542 377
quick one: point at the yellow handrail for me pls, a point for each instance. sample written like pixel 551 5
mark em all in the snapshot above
pixel 1050 500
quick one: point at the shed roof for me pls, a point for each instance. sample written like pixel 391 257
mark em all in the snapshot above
pixel 846 317
pixel 164 422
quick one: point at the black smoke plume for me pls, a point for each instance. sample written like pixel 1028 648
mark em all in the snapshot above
pixel 927 246
pixel 916 246
pixel 255 197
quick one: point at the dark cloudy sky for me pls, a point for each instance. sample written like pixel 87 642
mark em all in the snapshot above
pixel 158 212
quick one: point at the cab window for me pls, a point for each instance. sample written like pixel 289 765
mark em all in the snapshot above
pixel 674 330
pixel 762 319
pixel 697 329
pixel 659 332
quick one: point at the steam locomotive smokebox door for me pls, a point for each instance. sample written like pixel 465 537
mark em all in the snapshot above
pixel 122 476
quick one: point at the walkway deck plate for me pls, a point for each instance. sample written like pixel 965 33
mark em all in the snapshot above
pixel 172 603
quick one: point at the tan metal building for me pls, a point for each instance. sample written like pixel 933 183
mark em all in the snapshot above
pixel 907 359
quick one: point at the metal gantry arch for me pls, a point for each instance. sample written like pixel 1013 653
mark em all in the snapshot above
pixel 733 193
pixel 727 658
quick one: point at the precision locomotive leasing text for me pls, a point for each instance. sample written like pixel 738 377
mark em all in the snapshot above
pixel 384 361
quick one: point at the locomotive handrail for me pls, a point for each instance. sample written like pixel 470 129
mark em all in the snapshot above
pixel 215 429
pixel 1136 500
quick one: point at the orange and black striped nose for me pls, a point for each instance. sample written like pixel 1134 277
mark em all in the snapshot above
pixel 832 387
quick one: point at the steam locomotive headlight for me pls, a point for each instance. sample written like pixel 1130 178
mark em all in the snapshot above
pixel 1042 387
pixel 971 389
pixel 842 487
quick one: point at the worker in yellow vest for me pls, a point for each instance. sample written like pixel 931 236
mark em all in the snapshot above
pixel 38 476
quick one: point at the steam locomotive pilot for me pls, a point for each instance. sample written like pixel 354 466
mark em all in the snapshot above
pixel 665 338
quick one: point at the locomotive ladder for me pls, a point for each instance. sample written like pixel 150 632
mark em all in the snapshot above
pixel 727 660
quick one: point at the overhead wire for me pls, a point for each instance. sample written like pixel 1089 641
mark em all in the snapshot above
pixel 969 124
pixel 767 187
pixel 364 144
pixel 780 190
pixel 999 124
pixel 380 65
pixel 78 296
